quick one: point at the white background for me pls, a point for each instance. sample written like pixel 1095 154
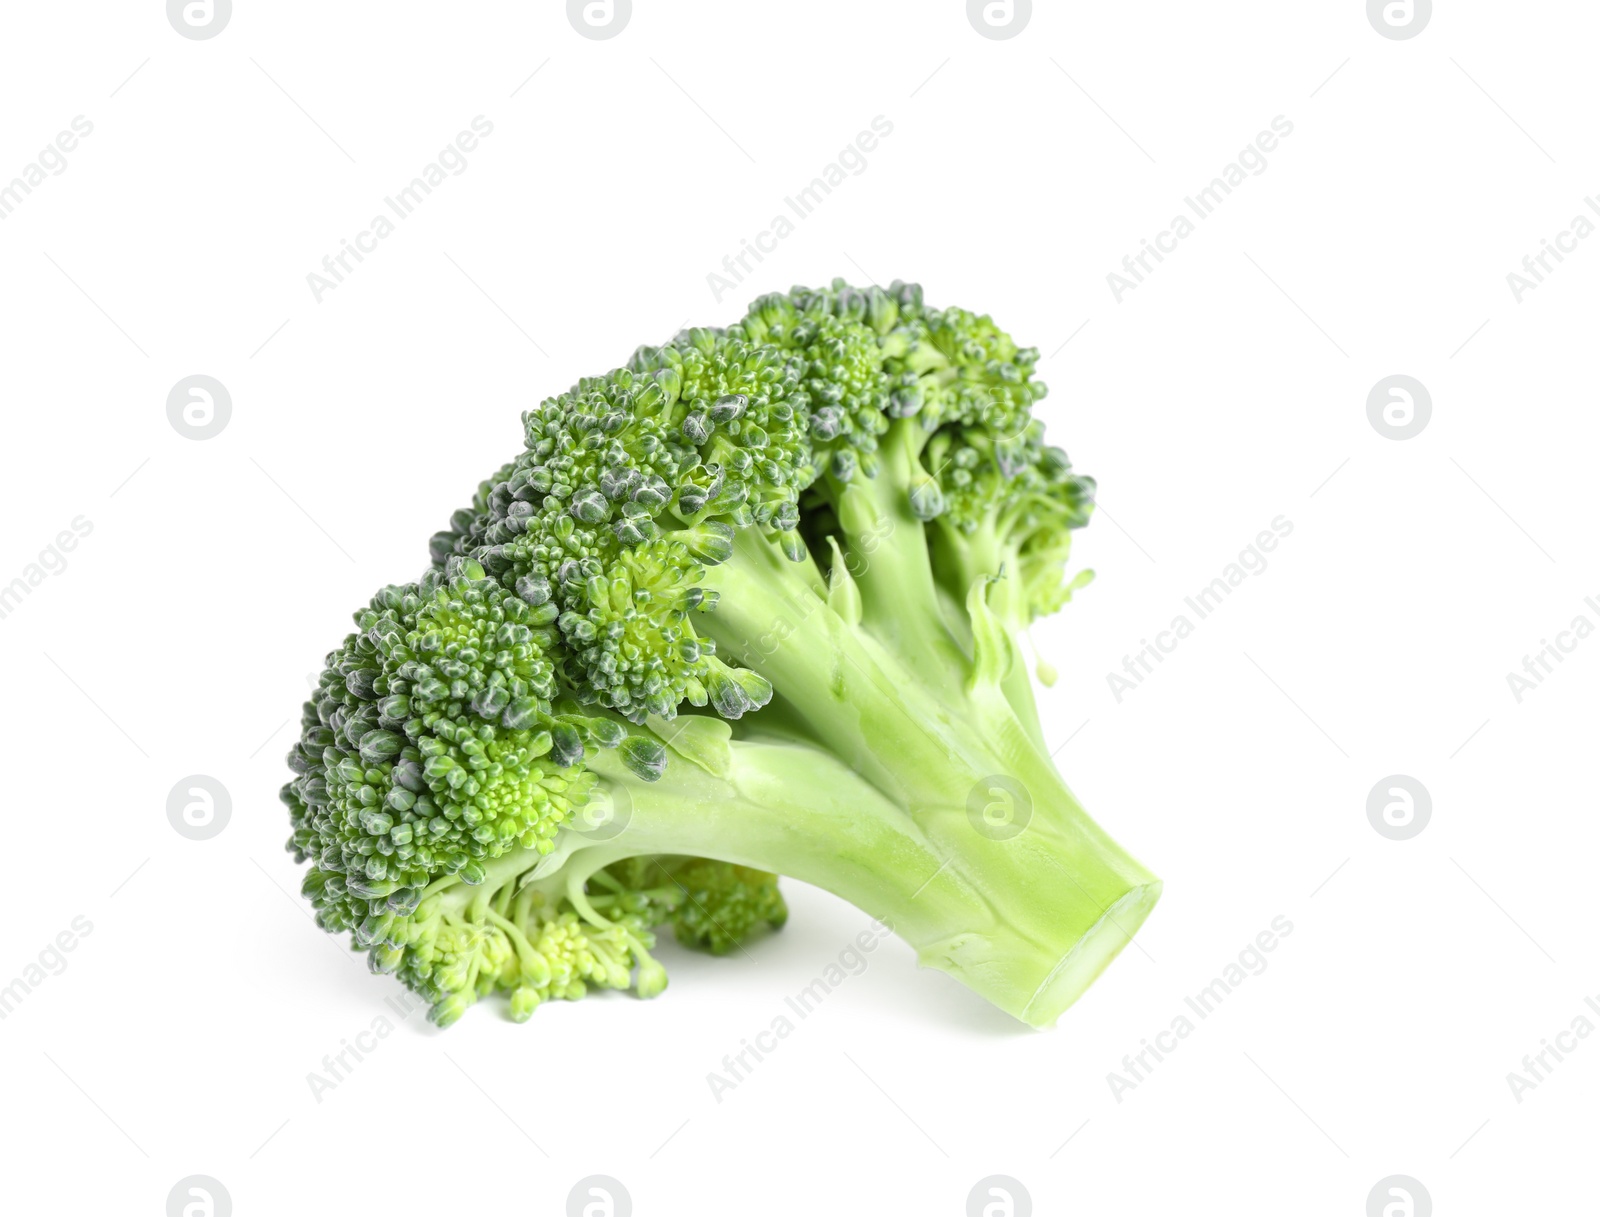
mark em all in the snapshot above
pixel 1229 389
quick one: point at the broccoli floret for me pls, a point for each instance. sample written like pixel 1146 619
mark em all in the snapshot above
pixel 748 606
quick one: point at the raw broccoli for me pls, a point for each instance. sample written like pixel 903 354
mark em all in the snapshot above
pixel 751 604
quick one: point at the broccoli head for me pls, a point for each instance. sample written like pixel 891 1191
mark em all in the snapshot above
pixel 751 604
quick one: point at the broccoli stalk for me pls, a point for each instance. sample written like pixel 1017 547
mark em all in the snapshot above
pixel 1026 908
pixel 1026 922
pixel 752 605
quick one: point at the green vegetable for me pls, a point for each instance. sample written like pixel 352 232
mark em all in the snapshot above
pixel 749 605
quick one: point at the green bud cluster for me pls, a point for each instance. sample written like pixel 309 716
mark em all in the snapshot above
pixel 723 904
pixel 432 745
pixel 527 944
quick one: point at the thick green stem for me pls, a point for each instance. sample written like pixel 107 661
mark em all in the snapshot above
pixel 857 697
pixel 1025 897
pixel 832 679
pixel 1024 911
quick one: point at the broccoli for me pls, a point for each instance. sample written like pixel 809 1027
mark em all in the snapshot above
pixel 752 604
